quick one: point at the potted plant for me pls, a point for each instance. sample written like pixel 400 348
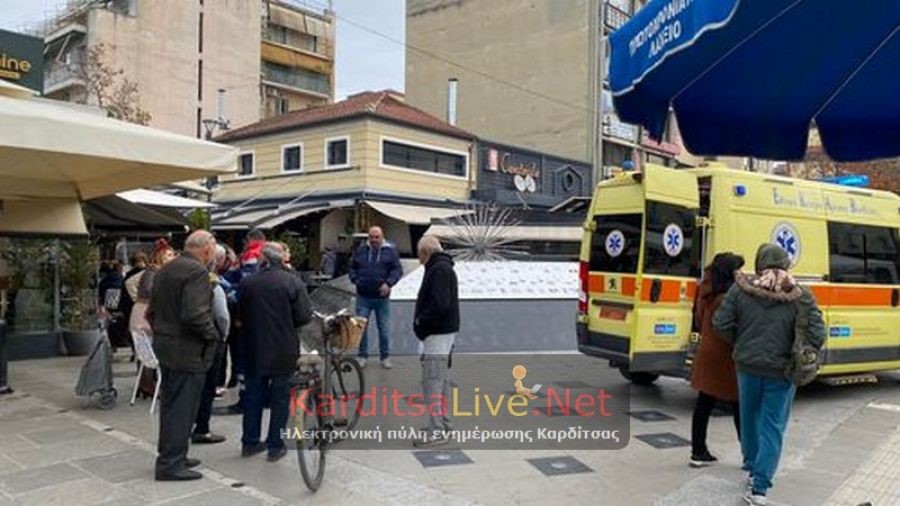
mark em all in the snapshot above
pixel 79 263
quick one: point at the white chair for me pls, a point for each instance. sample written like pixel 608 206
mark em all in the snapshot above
pixel 143 348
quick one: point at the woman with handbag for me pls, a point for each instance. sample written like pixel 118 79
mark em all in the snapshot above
pixel 713 374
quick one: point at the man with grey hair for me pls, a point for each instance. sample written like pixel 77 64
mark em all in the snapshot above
pixel 436 323
pixel 184 339
pixel 273 306
pixel 202 434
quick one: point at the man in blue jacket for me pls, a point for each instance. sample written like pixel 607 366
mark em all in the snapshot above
pixel 374 269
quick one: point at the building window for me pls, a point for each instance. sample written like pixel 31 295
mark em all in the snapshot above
pixel 863 254
pixel 292 158
pixel 284 105
pixel 419 158
pixel 246 165
pixel 337 151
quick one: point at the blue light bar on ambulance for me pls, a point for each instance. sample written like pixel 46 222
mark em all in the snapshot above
pixel 855 180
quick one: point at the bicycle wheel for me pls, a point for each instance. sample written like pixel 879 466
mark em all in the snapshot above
pixel 311 450
pixel 347 385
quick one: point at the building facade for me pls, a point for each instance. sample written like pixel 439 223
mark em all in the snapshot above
pixel 529 74
pixel 269 57
pixel 331 172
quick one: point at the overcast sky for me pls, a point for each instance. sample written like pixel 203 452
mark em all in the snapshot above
pixel 364 61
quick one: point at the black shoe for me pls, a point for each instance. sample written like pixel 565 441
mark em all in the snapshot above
pixel 254 449
pixel 207 439
pixel 276 455
pixel 179 475
pixel 189 463
pixel 703 460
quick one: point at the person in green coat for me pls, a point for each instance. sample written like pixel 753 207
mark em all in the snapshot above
pixel 758 315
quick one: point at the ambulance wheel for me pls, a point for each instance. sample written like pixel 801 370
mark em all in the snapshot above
pixel 638 378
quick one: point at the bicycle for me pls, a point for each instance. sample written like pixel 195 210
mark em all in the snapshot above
pixel 330 380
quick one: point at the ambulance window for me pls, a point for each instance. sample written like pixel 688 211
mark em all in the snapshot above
pixel 670 237
pixel 863 254
pixel 616 243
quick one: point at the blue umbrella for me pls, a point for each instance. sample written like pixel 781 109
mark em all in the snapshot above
pixel 749 77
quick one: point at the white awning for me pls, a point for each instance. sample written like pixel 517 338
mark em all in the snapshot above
pixel 416 215
pixel 516 233
pixel 51 150
pixel 159 199
pixel 277 218
pixel 42 217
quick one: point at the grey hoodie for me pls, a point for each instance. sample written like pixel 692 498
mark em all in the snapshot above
pixel 759 312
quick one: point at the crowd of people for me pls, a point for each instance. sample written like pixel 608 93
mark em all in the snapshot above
pixel 209 303
pixel 208 307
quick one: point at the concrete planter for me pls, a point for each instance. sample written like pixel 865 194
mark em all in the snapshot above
pixel 79 342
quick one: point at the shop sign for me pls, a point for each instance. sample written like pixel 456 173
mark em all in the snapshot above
pixel 22 60
pixel 523 171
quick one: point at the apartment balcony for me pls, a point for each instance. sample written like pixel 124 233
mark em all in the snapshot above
pixel 282 54
pixel 296 79
pixel 61 76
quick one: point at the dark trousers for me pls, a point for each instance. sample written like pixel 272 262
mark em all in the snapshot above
pixel 180 392
pixel 208 395
pixel 700 423
pixel 279 394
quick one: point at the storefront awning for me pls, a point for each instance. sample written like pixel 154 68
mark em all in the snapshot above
pixel 117 213
pixel 145 197
pixel 278 218
pixel 42 217
pixel 416 215
pixel 515 233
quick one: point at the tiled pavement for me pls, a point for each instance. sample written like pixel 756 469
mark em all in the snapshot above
pixel 53 451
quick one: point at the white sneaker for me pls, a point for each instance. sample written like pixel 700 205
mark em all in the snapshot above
pixel 754 499
pixel 362 362
pixel 387 364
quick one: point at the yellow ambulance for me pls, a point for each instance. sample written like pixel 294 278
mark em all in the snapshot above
pixel 648 234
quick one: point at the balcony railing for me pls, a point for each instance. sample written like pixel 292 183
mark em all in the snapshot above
pixel 615 17
pixel 296 78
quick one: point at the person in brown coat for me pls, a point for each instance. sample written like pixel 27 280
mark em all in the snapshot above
pixel 713 376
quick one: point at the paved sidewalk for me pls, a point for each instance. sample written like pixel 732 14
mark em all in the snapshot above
pixel 842 450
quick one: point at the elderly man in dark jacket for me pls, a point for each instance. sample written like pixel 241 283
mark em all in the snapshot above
pixel 759 315
pixel 436 323
pixel 273 306
pixel 184 339
pixel 375 269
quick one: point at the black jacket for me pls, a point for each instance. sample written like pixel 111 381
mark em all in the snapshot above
pixel 437 306
pixel 180 314
pixel 273 304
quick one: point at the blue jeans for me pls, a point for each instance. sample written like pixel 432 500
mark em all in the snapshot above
pixel 765 405
pixel 279 394
pixel 382 309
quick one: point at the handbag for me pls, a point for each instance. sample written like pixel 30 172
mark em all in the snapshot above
pixel 803 365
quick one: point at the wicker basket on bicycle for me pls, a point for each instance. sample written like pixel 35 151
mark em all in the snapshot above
pixel 348 333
